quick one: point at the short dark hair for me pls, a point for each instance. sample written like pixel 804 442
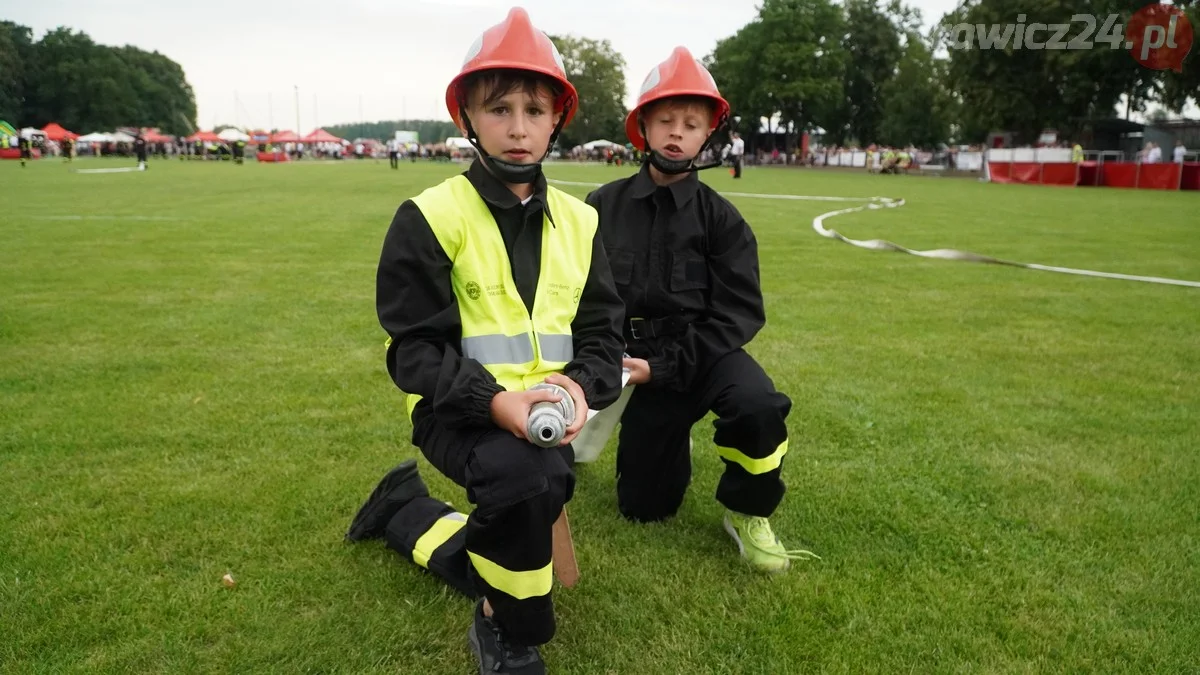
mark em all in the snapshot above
pixel 497 83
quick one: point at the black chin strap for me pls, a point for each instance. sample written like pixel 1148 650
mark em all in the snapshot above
pixel 672 167
pixel 510 172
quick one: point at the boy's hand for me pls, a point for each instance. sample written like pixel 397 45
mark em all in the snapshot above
pixel 639 370
pixel 581 407
pixel 510 409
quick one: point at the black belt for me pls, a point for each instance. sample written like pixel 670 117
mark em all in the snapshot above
pixel 640 328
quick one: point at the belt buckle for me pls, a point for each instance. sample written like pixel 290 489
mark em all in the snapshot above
pixel 633 330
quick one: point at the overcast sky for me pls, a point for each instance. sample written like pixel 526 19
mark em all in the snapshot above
pixel 244 58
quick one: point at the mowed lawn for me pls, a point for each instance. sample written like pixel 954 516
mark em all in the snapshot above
pixel 999 467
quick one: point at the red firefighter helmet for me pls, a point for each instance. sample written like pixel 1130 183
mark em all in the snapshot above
pixel 515 44
pixel 680 75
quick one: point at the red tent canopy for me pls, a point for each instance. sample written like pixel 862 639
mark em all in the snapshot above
pixel 204 137
pixel 321 136
pixel 55 132
pixel 153 136
pixel 285 137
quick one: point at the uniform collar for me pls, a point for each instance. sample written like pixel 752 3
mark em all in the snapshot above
pixel 681 191
pixel 496 193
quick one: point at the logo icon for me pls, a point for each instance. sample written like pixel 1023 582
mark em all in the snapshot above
pixel 473 290
pixel 1159 37
pixel 577 293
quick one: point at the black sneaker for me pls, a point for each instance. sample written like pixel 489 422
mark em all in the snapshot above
pixel 496 654
pixel 400 486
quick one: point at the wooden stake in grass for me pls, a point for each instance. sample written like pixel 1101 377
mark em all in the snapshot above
pixel 566 568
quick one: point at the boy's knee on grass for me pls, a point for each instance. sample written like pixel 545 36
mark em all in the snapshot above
pixel 504 470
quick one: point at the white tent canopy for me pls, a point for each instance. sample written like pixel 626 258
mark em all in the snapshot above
pixel 458 143
pixel 30 132
pixel 95 137
pixel 600 143
pixel 121 137
pixel 232 135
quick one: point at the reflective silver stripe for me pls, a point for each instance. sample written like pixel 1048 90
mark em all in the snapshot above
pixel 556 347
pixel 492 349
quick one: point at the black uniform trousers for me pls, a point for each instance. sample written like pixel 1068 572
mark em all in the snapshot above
pixel 503 549
pixel 654 464
pixel 737 166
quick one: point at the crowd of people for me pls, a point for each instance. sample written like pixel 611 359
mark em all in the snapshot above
pixel 1152 153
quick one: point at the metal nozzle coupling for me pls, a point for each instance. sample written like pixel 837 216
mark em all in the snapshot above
pixel 548 421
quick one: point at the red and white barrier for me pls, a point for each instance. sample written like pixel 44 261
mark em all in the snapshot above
pixel 1053 166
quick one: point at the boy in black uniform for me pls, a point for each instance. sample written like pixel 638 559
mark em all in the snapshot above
pixel 686 266
pixel 26 144
pixel 139 146
pixel 488 284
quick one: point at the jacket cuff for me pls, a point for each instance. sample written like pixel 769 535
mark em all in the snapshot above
pixel 480 398
pixel 663 372
pixel 585 381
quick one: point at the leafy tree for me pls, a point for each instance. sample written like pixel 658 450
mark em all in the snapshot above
pixel 16 50
pixel 804 60
pixel 84 86
pixel 873 53
pixel 734 65
pixel 789 61
pixel 164 98
pixel 1026 90
pixel 598 73
pixel 917 103
pixel 1180 88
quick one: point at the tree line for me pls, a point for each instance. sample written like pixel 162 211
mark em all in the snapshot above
pixel 864 71
pixel 66 77
pixel 428 131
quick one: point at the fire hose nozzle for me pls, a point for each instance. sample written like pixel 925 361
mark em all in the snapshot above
pixel 548 421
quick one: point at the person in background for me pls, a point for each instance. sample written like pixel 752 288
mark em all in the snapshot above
pixel 26 149
pixel 139 149
pixel 737 149
pixel 1155 155
pixel 1180 151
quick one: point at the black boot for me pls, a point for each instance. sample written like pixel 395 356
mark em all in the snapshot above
pixel 400 486
pixel 496 655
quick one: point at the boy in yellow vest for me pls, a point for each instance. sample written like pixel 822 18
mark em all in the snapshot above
pixel 488 284
pixel 686 265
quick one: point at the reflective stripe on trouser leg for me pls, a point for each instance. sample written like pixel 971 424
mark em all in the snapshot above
pixel 442 530
pixel 431 534
pixel 750 433
pixel 521 585
pixel 755 466
pixel 518 490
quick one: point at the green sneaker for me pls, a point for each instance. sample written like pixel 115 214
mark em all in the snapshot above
pixel 759 545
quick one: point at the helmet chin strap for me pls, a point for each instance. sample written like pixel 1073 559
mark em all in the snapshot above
pixel 509 172
pixel 673 167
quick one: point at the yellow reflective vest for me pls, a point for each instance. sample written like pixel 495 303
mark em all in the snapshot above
pixel 518 349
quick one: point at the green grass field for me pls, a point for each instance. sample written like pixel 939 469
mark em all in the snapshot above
pixel 998 466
